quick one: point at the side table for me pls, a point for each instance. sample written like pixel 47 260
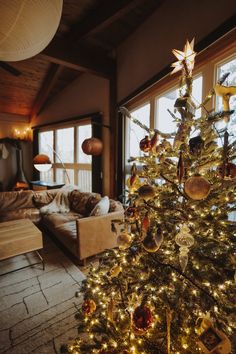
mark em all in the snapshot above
pixel 41 185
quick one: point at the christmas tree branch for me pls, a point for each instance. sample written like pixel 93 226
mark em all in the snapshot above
pixel 184 276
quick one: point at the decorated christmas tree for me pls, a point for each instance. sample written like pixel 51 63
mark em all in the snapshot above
pixel 169 286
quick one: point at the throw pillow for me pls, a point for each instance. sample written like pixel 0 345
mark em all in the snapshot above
pixel 101 208
pixel 83 202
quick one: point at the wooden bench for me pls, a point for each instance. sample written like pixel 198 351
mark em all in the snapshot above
pixel 19 237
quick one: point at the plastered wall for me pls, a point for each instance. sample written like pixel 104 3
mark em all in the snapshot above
pixel 87 94
pixel 148 50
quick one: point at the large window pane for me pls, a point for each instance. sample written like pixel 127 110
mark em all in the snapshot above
pixel 61 175
pixel 164 121
pixel 46 143
pixel 228 67
pixel 83 132
pixel 85 180
pixel 65 145
pixel 47 176
pixel 134 133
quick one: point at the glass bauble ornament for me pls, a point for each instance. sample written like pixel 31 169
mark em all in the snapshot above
pixel 184 240
pixel 153 239
pixel 197 187
pixel 88 307
pixel 196 145
pixel 124 240
pixel 145 144
pixel 146 192
pixel 142 318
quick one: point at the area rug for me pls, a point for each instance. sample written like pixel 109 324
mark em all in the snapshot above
pixel 38 307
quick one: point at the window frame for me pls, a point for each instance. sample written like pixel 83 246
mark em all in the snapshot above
pixel 96 161
pixel 206 65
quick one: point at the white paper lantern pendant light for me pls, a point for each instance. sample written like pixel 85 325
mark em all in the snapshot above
pixel 27 27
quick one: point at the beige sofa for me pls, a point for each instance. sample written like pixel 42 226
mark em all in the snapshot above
pixel 81 234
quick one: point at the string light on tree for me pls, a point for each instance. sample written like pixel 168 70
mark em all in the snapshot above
pixel 169 286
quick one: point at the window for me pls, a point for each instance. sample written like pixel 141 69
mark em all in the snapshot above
pixel 134 134
pixel 151 106
pixel 228 66
pixel 69 163
pixel 163 120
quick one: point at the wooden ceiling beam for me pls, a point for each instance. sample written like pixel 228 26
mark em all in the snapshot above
pixel 108 12
pixel 47 86
pixel 63 52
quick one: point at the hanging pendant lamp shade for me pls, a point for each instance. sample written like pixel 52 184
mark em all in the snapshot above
pixel 27 27
pixel 42 162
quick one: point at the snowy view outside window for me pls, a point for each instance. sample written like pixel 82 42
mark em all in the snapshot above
pixel 228 67
pixel 164 121
pixel 79 171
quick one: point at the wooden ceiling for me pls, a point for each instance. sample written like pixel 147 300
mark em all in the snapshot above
pixel 86 39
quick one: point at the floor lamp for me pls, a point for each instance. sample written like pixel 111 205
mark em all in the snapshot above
pixel 43 163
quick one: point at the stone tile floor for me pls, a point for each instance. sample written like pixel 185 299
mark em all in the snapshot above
pixel 37 308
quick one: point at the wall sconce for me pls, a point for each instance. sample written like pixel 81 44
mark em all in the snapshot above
pixel 24 135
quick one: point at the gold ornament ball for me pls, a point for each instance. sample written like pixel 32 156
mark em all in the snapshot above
pixel 146 192
pixel 197 187
pixel 124 240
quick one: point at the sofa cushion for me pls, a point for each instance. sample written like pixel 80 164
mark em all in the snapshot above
pixel 83 203
pixel 56 219
pixel 24 213
pixel 16 200
pixel 101 208
pixel 42 198
pixel 67 235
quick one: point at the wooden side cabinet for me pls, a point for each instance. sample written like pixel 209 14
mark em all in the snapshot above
pixel 41 185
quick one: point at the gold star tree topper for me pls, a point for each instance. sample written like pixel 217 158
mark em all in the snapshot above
pixel 185 58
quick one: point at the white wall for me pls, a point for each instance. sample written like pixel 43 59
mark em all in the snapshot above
pixel 148 50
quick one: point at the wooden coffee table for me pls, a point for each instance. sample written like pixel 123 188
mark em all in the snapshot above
pixel 19 237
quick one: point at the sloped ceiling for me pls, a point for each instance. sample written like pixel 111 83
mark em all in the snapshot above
pixel 86 39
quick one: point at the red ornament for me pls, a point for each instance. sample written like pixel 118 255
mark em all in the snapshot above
pixel 145 223
pixel 145 144
pixel 88 307
pixel 142 318
pixel 92 146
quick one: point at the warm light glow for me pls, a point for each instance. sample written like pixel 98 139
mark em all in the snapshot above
pixel 185 57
